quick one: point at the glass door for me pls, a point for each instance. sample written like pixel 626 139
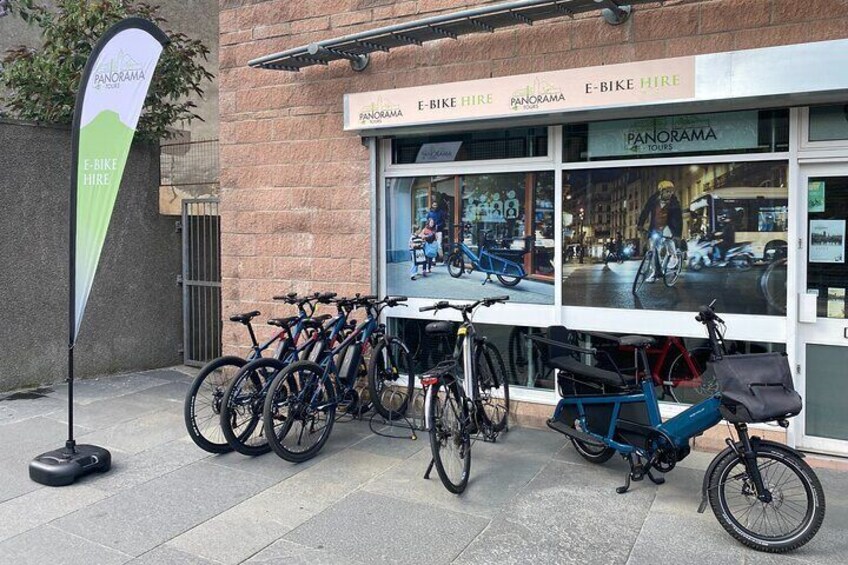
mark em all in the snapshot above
pixel 822 323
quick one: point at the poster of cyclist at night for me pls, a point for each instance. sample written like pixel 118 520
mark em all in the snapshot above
pixel 671 237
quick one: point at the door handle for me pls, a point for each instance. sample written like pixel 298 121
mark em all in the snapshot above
pixel 845 332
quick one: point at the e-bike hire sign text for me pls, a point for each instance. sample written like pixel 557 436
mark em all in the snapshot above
pixel 540 93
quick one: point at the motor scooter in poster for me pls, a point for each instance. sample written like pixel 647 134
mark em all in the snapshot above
pixel 704 252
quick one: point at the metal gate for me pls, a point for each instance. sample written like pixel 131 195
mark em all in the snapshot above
pixel 201 279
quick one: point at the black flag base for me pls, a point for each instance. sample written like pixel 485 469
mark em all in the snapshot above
pixel 62 467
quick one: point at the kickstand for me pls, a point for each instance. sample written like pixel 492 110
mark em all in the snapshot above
pixel 655 480
pixel 487 279
pixel 626 487
pixel 429 468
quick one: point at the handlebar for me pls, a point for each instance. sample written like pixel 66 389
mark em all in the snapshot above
pixel 465 308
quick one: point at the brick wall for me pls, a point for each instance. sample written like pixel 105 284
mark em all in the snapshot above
pixel 294 187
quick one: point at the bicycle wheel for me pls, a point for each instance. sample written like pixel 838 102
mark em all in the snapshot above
pixel 508 280
pixel 202 406
pixel 390 362
pixel 773 285
pixel 450 443
pixel 493 386
pixel 671 266
pixel 456 264
pixel 788 521
pixel 299 412
pixel 679 371
pixel 644 271
pixel 596 454
pixel 241 406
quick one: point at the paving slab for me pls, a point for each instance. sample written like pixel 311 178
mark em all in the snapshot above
pixel 677 538
pixel 92 390
pixel 25 405
pixel 491 485
pixel 564 515
pixel 34 434
pixel 47 544
pixel 283 551
pixel 379 529
pixel 166 555
pixel 105 413
pixel 143 517
pixel 43 505
pixel 129 470
pixel 140 434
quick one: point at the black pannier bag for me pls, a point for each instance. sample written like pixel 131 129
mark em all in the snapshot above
pixel 755 387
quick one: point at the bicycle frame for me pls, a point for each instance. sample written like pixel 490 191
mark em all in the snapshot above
pixel 691 422
pixel 669 345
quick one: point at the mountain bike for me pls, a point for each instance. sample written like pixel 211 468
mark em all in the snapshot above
pixel 465 395
pixel 242 401
pixel 301 402
pixel 662 259
pixel 202 405
pixel 762 492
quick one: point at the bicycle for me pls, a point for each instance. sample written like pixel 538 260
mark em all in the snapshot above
pixel 531 363
pixel 202 405
pixel 457 409
pixel 762 492
pixel 307 393
pixel 241 403
pixel 488 260
pixel 662 258
pixel 772 284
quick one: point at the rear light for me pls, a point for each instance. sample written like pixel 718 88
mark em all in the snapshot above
pixel 429 381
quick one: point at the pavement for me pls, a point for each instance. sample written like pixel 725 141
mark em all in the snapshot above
pixel 531 499
pixel 611 286
pixel 439 284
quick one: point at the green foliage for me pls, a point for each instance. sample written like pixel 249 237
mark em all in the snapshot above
pixel 42 83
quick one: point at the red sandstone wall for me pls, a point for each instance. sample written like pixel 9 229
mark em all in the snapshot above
pixel 294 187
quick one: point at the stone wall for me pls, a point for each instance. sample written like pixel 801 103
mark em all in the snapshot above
pixel 134 314
pixel 294 187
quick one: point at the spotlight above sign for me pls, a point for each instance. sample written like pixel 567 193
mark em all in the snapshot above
pixel 357 48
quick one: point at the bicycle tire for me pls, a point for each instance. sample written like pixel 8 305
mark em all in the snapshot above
pixel 391 404
pixel 775 297
pixel 591 453
pixel 447 416
pixel 808 526
pixel 678 368
pixel 456 264
pixel 670 278
pixel 491 376
pixel 241 432
pixel 210 438
pixel 509 281
pixel 642 272
pixel 303 381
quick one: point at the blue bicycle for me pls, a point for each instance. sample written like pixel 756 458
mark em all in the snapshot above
pixel 300 406
pixel 304 337
pixel 502 262
pixel 762 492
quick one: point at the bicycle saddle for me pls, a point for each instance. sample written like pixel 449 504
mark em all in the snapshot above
pixel 636 340
pixel 244 318
pixel 283 322
pixel 439 328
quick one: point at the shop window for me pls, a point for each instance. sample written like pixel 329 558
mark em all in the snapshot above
pixel 510 143
pixel 691 232
pixel 447 235
pixel 524 359
pixel 678 365
pixel 829 123
pixel 752 131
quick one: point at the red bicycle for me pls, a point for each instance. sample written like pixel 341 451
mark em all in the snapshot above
pixel 673 366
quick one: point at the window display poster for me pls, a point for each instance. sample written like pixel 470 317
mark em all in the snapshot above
pixel 815 196
pixel 836 303
pixel 827 241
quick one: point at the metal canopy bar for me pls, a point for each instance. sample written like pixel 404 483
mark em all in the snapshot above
pixel 357 47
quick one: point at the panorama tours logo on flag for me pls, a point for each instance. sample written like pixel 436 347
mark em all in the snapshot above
pixel 113 92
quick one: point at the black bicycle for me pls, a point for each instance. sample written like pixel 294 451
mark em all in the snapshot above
pixel 466 395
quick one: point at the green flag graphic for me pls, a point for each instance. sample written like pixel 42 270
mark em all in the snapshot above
pixel 109 103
